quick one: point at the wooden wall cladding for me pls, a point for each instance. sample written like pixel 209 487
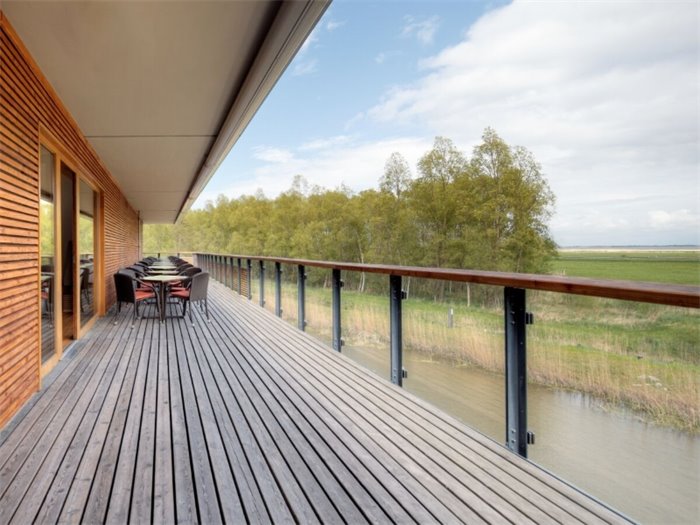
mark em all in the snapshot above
pixel 28 104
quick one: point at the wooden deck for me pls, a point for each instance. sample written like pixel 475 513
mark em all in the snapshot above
pixel 248 419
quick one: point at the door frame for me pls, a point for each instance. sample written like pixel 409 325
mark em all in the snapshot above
pixel 63 156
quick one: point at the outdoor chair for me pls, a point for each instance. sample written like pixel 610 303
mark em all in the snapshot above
pixel 196 293
pixel 127 292
pixel 46 297
pixel 186 274
pixel 84 287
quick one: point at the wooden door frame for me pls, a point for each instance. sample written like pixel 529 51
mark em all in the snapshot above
pixel 45 367
pixel 63 156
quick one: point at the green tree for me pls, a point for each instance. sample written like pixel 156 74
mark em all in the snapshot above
pixel 397 176
pixel 490 211
pixel 511 218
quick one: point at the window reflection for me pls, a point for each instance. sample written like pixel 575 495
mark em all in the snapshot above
pixel 47 253
pixel 86 251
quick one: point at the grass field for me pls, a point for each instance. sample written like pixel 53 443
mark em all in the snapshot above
pixel 641 356
pixel 663 266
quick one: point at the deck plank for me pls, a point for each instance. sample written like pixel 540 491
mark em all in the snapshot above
pixel 246 419
pixel 90 500
pixel 163 488
pixel 56 494
pixel 119 502
pixel 229 495
pixel 183 481
pixel 394 424
pixel 356 378
pixel 88 471
pixel 203 477
pixel 44 456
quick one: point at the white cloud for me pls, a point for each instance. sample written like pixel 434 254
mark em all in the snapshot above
pixel 385 55
pixel 423 30
pixel 305 67
pixel 273 155
pixel 332 25
pixel 605 94
pixel 673 219
pixel 327 164
pixel 325 143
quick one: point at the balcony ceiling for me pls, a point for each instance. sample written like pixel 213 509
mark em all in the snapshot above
pixel 162 90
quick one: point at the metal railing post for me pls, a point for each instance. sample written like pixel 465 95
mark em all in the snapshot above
pixel 337 333
pixel 249 267
pixel 230 272
pixel 239 276
pixel 278 289
pixel 262 283
pixel 516 319
pixel 396 295
pixel 301 297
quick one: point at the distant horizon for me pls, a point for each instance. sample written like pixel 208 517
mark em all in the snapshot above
pixel 679 247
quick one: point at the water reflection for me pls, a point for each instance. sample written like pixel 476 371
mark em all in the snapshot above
pixel 649 473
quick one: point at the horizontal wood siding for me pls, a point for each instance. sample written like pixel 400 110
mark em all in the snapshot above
pixel 28 104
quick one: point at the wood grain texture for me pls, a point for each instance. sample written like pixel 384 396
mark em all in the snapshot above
pixel 30 112
pixel 247 419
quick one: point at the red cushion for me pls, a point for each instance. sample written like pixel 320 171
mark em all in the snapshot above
pixel 144 294
pixel 184 294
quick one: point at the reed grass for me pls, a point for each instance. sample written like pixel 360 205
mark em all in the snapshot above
pixel 641 357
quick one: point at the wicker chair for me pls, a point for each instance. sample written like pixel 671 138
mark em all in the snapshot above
pixel 128 292
pixel 195 293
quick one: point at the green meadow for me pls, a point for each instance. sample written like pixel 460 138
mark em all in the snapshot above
pixel 663 266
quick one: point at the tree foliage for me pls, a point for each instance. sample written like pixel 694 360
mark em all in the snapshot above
pixel 488 211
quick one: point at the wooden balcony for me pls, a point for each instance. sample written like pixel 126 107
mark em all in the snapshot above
pixel 246 418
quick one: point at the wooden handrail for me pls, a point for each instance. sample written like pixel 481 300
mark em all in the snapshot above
pixel 644 292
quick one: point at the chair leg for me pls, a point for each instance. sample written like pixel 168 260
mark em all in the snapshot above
pixel 117 310
pixel 206 309
pixel 191 308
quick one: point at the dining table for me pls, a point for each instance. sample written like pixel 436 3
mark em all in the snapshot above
pixel 162 271
pixel 162 281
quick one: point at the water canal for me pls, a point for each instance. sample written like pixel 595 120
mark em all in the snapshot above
pixel 650 473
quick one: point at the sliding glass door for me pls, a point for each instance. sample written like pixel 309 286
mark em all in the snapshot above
pixel 86 251
pixel 69 249
pixel 68 254
pixel 47 254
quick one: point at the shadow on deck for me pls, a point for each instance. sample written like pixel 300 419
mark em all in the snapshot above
pixel 248 419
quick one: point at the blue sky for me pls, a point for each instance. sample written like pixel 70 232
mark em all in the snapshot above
pixel 604 94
